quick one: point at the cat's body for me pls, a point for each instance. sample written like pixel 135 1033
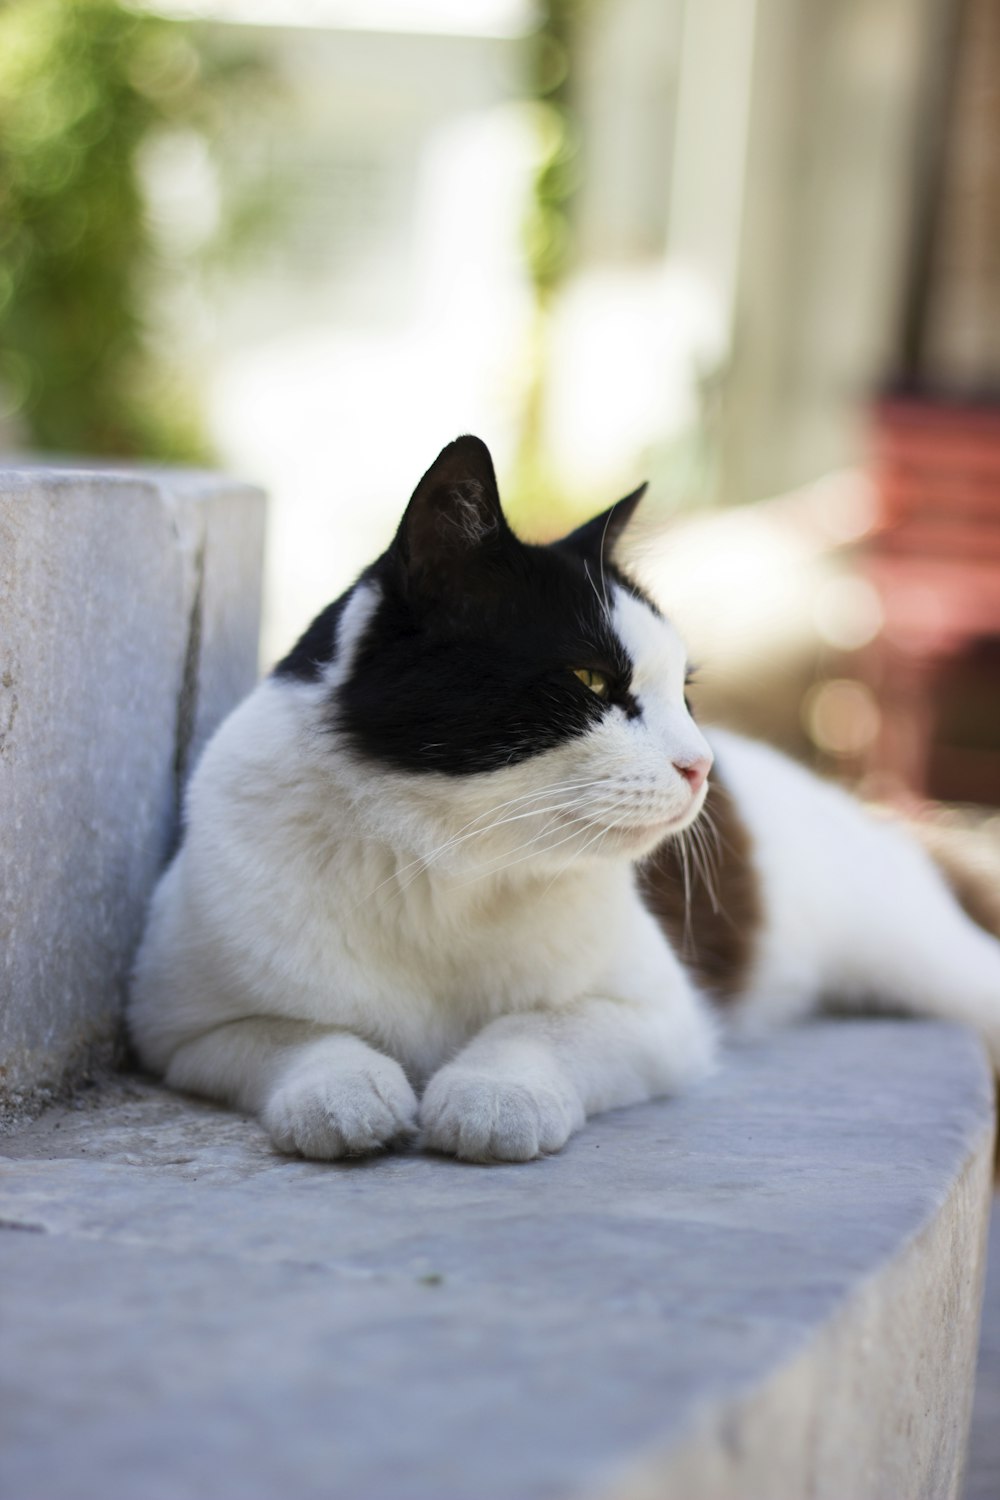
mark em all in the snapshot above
pixel 409 893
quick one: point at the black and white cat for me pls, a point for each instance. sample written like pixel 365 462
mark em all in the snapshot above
pixel 430 878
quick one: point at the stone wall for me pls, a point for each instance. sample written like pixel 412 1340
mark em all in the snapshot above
pixel 129 617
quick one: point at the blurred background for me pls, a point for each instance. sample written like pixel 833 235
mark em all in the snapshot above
pixel 748 249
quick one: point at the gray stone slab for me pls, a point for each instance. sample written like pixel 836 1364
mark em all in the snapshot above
pixel 129 609
pixel 983 1476
pixel 221 522
pixel 768 1288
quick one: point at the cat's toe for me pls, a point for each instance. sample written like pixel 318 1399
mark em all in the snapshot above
pixel 325 1114
pixel 484 1119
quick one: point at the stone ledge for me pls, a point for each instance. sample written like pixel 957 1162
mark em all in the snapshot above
pixel 767 1289
pixel 129 619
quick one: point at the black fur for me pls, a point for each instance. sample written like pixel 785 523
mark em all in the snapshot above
pixel 314 650
pixel 467 663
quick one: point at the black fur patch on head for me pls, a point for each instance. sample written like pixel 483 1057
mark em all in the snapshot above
pixel 467 664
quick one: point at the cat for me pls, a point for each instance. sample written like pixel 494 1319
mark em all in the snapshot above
pixel 432 880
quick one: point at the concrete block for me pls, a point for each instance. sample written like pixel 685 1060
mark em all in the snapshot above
pixel 220 524
pixel 765 1290
pixel 982 1479
pixel 129 609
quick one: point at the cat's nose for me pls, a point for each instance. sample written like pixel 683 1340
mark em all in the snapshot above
pixel 695 772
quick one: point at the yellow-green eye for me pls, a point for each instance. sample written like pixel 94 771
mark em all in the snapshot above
pixel 596 681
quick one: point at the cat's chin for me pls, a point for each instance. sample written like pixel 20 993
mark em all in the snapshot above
pixel 639 839
pixel 636 840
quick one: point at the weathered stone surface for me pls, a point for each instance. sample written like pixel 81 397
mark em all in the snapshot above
pixel 767 1289
pixel 128 627
pixel 982 1480
pixel 222 523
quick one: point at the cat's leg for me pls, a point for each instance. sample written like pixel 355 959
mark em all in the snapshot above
pixel 318 1092
pixel 527 1081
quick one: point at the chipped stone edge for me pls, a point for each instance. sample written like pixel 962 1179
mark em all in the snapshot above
pixel 878 1402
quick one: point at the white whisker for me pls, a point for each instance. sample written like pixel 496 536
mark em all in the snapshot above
pixel 461 835
pixel 574 833
pixel 535 813
pixel 604 585
pixel 703 863
pixel 682 845
pixel 600 596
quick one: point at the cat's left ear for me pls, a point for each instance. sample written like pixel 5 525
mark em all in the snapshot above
pixel 597 539
pixel 454 513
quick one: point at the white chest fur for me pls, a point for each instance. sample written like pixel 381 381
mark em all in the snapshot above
pixel 287 900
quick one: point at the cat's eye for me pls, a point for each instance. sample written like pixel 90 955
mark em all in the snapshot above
pixel 596 681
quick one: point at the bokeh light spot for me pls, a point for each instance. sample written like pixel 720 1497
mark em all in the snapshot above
pixel 841 716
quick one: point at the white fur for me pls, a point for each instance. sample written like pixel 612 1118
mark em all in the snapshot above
pixel 858 915
pixel 334 940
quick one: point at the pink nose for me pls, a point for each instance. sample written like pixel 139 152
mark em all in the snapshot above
pixel 695 772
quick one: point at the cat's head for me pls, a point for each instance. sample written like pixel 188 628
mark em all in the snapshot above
pixel 525 703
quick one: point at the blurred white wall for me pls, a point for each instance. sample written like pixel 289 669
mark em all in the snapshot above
pixel 740 232
pixel 391 310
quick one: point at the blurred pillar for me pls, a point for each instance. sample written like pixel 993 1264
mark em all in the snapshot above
pixel 958 344
pixel 936 554
pixel 710 143
pixel 836 101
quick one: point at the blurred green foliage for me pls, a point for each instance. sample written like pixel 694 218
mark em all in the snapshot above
pixel 548 228
pixel 84 85
pixel 534 489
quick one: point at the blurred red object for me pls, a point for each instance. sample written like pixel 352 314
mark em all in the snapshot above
pixel 934 556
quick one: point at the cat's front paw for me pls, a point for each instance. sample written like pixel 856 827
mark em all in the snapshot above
pixel 326 1107
pixel 486 1118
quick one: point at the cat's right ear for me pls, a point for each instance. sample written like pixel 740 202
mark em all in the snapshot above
pixel 454 515
pixel 596 539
